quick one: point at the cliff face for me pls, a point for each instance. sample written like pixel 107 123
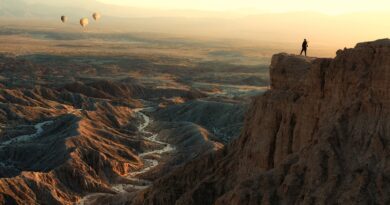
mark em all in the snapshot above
pixel 320 136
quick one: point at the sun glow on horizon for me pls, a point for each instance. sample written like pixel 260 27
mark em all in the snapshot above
pixel 263 6
pixel 329 24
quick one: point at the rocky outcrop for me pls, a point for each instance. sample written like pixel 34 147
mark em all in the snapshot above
pixel 319 136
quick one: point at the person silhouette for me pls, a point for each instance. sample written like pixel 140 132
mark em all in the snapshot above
pixel 304 46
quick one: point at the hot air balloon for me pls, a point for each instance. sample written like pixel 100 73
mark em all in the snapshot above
pixel 64 19
pixel 96 16
pixel 84 22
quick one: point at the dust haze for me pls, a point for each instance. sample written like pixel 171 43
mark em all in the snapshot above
pixel 283 31
pixel 170 106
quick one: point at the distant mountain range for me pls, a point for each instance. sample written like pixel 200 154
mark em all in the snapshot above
pixel 29 8
pixel 273 28
pixel 45 8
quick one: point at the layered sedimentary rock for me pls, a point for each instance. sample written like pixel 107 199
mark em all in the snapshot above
pixel 320 135
pixel 60 144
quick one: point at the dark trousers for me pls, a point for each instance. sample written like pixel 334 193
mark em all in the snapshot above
pixel 303 50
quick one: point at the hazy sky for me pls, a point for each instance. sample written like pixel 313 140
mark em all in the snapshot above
pixel 288 21
pixel 324 6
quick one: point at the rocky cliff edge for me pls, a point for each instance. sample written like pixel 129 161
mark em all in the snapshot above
pixel 320 135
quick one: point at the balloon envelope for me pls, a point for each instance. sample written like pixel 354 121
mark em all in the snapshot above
pixel 84 22
pixel 64 19
pixel 96 16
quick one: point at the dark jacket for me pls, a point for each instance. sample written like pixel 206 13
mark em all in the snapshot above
pixel 304 45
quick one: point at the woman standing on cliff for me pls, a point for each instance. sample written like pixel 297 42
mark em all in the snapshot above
pixel 304 46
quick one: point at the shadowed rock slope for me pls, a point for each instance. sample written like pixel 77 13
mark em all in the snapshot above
pixel 83 144
pixel 59 144
pixel 223 119
pixel 320 135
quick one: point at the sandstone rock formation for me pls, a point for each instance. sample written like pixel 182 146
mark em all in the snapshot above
pixel 84 144
pixel 59 144
pixel 319 136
